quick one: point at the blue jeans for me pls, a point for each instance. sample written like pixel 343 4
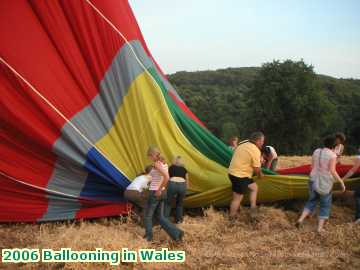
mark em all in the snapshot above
pixel 178 190
pixel 314 198
pixel 155 206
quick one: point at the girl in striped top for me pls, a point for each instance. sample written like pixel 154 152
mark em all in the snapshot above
pixel 159 172
pixel 157 195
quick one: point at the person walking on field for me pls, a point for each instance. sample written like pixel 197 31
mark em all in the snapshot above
pixel 244 163
pixel 322 175
pixel 350 173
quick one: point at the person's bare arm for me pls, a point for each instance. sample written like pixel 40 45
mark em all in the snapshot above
pixel 353 169
pixel 256 163
pixel 312 161
pixel 262 160
pixel 165 180
pixel 335 174
pixel 269 161
pixel 258 172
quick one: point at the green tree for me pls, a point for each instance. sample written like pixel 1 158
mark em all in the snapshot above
pixel 220 96
pixel 353 123
pixel 289 106
pixel 228 130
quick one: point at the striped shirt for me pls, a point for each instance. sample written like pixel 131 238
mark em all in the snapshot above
pixel 157 177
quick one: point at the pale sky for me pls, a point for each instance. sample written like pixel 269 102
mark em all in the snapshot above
pixel 211 34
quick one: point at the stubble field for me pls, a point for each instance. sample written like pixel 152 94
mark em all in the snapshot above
pixel 210 241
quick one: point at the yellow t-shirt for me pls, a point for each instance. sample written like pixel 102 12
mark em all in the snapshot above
pixel 245 158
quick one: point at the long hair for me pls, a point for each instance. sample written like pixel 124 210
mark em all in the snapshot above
pixel 153 150
pixel 341 136
pixel 329 141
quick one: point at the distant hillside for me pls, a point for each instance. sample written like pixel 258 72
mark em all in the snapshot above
pixel 222 77
pixel 217 97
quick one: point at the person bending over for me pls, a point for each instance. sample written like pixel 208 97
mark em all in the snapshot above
pixel 270 157
pixel 244 163
pixel 135 192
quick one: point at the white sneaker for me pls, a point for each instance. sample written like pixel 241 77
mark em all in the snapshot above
pixel 357 221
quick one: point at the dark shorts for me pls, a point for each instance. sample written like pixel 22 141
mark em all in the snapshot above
pixel 240 185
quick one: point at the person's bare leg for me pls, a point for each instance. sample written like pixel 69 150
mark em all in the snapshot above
pixel 235 204
pixel 253 194
pixel 304 214
pixel 321 225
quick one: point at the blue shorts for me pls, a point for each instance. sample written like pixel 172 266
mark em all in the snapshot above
pixel 315 198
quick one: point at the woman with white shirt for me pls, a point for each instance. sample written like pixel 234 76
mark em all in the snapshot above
pixel 339 144
pixel 269 157
pixel 320 185
pixel 135 191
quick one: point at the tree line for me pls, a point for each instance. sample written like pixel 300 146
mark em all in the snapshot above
pixel 286 100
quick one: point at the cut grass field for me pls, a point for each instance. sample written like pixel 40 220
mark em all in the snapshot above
pixel 210 241
pixel 293 161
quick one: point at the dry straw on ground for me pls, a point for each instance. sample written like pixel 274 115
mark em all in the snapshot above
pixel 293 161
pixel 211 242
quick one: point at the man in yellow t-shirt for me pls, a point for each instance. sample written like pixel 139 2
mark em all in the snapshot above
pixel 244 163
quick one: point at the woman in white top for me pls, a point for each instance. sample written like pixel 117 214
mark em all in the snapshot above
pixel 135 191
pixel 350 173
pixel 269 157
pixel 322 175
pixel 339 147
